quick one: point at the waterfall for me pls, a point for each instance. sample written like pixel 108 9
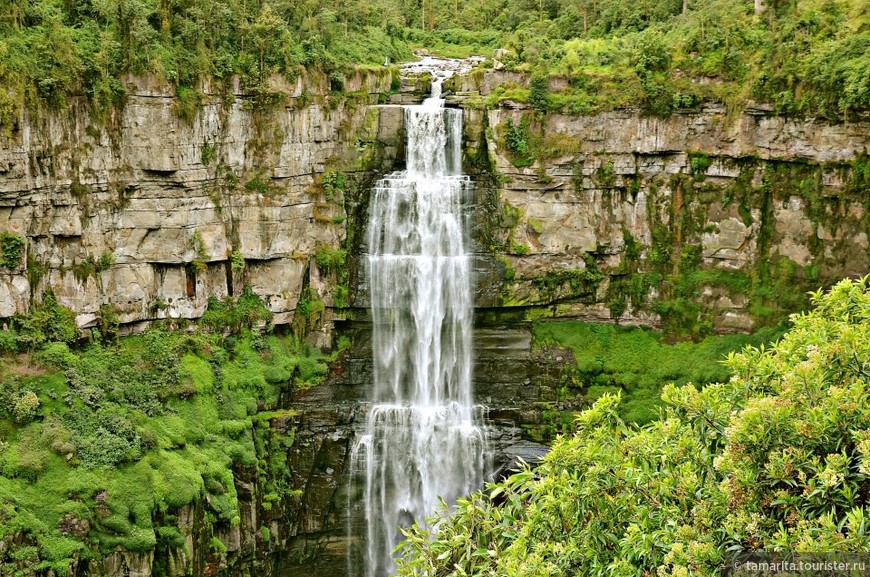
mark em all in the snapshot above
pixel 422 440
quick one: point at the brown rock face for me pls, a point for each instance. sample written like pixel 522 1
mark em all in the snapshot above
pixel 142 210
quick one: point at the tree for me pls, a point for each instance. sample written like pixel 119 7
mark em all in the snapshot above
pixel 266 31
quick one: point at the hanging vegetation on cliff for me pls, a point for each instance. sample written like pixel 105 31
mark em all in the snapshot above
pixel 102 445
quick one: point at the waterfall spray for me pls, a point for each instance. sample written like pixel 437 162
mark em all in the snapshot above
pixel 423 440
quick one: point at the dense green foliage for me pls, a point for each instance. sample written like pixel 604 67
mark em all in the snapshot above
pixel 776 458
pixel 11 246
pixel 806 56
pixel 51 48
pixel 803 56
pixel 47 321
pixel 636 362
pixel 99 444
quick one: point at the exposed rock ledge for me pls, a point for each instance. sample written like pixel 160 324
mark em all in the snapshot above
pixel 755 194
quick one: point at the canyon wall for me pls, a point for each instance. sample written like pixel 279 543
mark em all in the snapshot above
pixel 148 210
pixel 705 221
pixel 702 221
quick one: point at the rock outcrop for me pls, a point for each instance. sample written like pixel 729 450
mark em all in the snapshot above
pixel 148 211
pixel 703 221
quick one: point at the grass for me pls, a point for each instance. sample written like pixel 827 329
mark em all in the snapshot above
pixel 637 362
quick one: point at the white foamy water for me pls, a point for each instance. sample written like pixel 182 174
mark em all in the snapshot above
pixel 423 439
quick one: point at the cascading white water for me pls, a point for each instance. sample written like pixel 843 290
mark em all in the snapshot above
pixel 422 440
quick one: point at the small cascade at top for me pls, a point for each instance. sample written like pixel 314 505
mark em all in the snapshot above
pixel 423 438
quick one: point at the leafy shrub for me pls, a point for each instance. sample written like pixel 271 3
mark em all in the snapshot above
pixel 773 459
pixel 57 355
pixel 26 407
pixel 517 138
pixel 234 314
pixel 334 183
pixel 257 185
pixel 47 321
pixel 539 93
pixel 105 438
pixel 340 296
pixel 237 261
pixel 11 246
pixel 329 259
pixel 312 369
pixel 8 341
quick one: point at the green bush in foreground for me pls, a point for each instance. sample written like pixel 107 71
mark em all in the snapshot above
pixel 776 458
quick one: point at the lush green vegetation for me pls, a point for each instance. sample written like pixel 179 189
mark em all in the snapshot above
pixel 804 56
pixel 11 247
pixel 100 444
pixel 637 363
pixel 777 457
pixel 50 49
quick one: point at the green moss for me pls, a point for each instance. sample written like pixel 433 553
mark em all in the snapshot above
pixel 699 162
pixel 334 184
pixel 187 102
pixel 569 283
pixel 236 313
pixel 257 185
pixel 45 322
pixel 173 413
pixel 92 265
pixel 330 260
pixel 208 152
pixel 217 546
pixel 639 362
pixel 516 141
pixel 509 272
pixel 673 262
pixel 519 249
pixel 341 295
pixel 605 175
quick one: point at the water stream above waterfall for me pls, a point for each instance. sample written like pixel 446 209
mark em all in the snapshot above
pixel 423 438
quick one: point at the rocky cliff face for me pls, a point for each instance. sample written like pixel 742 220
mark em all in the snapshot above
pixel 698 222
pixel 149 211
pixel 695 220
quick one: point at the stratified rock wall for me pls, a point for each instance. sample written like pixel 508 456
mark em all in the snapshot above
pixel 141 213
pixel 142 209
pixel 623 216
pixel 699 222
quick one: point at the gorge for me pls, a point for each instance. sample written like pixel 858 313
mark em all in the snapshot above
pixel 707 221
